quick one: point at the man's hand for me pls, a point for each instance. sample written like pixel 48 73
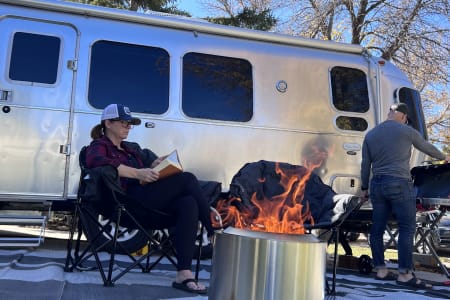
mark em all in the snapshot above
pixel 365 195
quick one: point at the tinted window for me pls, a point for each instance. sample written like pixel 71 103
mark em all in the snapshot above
pixel 137 76
pixel 217 87
pixel 34 58
pixel 351 123
pixel 349 89
pixel 415 114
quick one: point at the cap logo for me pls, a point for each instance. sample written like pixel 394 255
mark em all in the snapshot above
pixel 121 112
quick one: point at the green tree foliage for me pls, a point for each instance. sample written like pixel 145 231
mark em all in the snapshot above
pixel 167 6
pixel 248 18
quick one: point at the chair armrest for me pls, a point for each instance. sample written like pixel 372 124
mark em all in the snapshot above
pixel 97 179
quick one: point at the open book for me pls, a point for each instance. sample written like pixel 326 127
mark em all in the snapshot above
pixel 170 165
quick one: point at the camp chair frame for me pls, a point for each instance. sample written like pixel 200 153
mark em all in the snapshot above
pixel 86 216
pixel 337 236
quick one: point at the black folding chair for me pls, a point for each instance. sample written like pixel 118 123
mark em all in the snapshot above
pixel 100 195
pixel 432 183
pixel 342 210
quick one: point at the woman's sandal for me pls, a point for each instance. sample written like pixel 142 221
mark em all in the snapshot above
pixel 415 283
pixel 184 286
pixel 390 276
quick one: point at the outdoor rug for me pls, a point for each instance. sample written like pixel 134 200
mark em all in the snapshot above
pixel 38 273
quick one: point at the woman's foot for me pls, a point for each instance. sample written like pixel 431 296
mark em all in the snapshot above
pixel 185 281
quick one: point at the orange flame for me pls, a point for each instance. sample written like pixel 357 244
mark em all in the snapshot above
pixel 282 213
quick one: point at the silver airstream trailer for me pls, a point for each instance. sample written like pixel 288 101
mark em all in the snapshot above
pixel 222 96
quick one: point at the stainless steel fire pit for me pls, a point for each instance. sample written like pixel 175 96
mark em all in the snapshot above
pixel 254 265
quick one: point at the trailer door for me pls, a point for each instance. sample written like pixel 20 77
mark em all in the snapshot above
pixel 36 77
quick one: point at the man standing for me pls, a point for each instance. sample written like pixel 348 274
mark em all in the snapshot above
pixel 386 152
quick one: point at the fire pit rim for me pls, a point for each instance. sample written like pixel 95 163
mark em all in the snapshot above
pixel 277 237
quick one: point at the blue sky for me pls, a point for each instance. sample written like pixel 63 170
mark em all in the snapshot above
pixel 193 7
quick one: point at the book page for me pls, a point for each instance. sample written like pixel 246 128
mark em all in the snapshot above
pixel 170 165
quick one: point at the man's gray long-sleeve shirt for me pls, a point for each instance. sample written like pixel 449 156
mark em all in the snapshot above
pixel 387 149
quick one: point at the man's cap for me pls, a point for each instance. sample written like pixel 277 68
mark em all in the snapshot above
pixel 401 107
pixel 119 112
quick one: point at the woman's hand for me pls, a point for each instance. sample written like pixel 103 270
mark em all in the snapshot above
pixel 147 175
pixel 144 176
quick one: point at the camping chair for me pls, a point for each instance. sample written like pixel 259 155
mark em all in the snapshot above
pixel 432 183
pixel 344 208
pixel 100 194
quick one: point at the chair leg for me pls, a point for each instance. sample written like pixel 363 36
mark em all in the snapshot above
pixel 335 260
pixel 344 243
pixel 200 244
pixel 137 262
pixel 159 248
pixel 392 237
pixel 109 281
pixel 69 258
pixel 147 261
pixel 74 260
pixel 92 249
pixel 83 218
pixel 91 245
pixel 335 239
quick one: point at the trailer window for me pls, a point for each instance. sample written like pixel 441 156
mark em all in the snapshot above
pixel 133 75
pixel 34 58
pixel 415 118
pixel 217 87
pixel 351 123
pixel 349 89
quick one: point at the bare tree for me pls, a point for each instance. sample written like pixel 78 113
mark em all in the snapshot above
pixel 413 34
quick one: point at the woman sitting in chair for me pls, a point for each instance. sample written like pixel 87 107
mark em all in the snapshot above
pixel 178 196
